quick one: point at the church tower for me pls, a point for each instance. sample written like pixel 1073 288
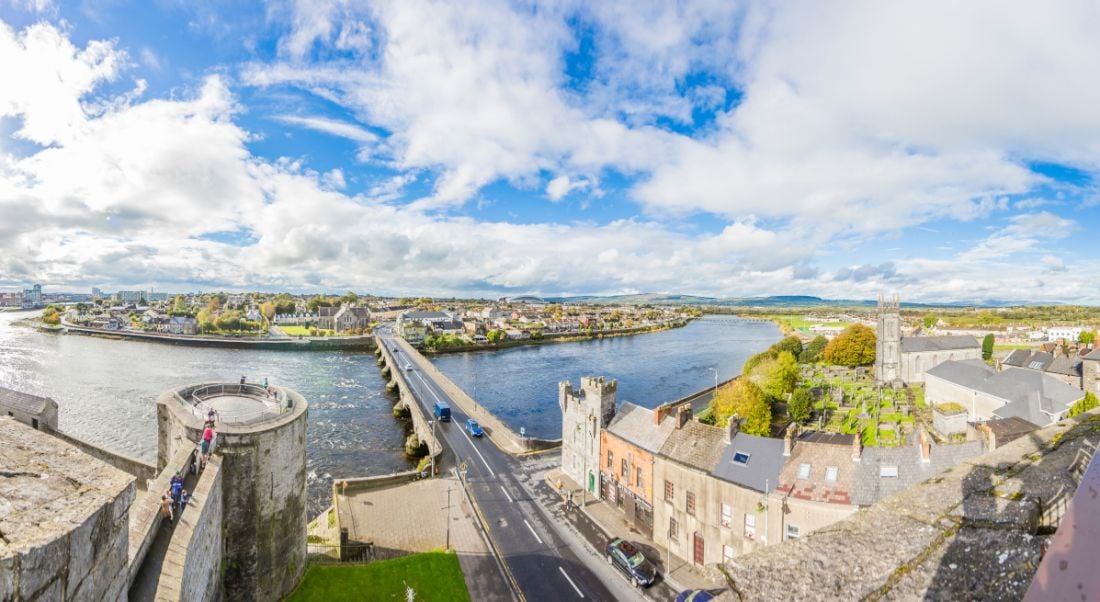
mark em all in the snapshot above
pixel 888 340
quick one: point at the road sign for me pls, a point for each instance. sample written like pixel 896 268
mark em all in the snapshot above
pixel 462 467
pixel 522 432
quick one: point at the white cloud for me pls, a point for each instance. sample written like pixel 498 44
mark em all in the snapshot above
pixel 334 127
pixel 563 185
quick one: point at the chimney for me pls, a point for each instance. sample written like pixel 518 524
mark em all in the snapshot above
pixel 788 439
pixel 683 416
pixel 925 446
pixel 732 427
pixel 857 445
pixel 660 413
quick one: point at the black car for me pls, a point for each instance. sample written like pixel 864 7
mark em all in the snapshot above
pixel 627 558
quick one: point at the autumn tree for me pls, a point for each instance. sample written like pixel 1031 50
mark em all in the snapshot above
pixel 777 376
pixel 800 408
pixel 744 398
pixel 268 310
pixel 812 353
pixel 855 346
pixel 791 344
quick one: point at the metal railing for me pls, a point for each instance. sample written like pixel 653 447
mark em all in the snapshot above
pixel 275 401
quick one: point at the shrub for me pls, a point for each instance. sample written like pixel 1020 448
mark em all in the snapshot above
pixel 1087 403
pixel 800 407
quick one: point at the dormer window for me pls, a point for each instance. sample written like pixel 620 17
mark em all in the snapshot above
pixel 803 471
pixel 830 473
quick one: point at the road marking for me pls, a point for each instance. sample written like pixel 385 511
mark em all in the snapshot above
pixel 506 493
pixel 575 588
pixel 537 537
pixel 463 431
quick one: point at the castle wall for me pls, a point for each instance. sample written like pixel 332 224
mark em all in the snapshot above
pixel 584 414
pixel 192 564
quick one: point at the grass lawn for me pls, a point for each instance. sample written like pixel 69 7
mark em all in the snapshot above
pixel 434 576
pixel 1010 346
pixel 301 331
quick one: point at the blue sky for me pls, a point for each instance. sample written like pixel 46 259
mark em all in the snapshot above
pixel 482 148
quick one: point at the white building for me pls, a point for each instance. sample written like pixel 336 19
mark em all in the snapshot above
pixel 1068 333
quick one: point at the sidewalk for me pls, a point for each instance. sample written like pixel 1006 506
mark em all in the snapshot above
pixel 612 523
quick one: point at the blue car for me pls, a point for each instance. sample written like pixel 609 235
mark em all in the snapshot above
pixel 694 595
pixel 474 428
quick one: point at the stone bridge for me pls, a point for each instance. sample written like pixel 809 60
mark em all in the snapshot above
pixel 421 427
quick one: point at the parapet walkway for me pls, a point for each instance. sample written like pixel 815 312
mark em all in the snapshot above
pixel 144 584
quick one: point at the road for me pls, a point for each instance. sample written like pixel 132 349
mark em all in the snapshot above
pixel 545 564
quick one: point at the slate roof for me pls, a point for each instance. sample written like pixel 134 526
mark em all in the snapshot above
pixel 1007 430
pixel 762 469
pixel 1047 362
pixel 938 343
pixel 871 487
pixel 1017 358
pixel 24 402
pixel 696 445
pixel 1031 395
pixel 1069 366
pixel 425 315
pixel 635 424
pixel 327 312
pixel 820 451
pixel 1093 355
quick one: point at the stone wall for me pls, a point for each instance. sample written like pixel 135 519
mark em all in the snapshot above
pixel 63 520
pixel 968 534
pixel 417 413
pixel 948 424
pixel 142 471
pixel 145 515
pixel 192 563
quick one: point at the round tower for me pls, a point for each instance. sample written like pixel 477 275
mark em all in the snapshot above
pixel 261 441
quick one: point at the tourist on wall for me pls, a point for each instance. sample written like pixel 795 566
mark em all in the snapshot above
pixel 166 505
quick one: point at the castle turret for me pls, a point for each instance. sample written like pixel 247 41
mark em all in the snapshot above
pixel 585 412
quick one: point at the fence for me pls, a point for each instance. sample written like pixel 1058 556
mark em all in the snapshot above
pixel 275 401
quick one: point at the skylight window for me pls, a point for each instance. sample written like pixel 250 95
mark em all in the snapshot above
pixel 830 474
pixel 803 471
pixel 741 458
pixel 1035 365
pixel 888 472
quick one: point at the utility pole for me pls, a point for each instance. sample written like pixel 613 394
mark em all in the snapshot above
pixel 448 517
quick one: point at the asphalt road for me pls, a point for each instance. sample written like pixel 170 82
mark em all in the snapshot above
pixel 538 555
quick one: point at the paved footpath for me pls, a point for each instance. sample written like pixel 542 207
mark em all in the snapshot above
pixel 414 517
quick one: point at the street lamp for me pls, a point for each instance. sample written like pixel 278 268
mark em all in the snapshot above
pixel 430 452
pixel 715 371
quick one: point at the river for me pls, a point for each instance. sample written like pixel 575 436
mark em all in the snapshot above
pixel 106 390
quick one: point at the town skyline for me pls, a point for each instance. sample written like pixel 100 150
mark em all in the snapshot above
pixel 558 150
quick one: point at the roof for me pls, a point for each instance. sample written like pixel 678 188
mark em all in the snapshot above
pixel 1029 394
pixel 870 486
pixel 696 445
pixel 1093 355
pixel 1006 430
pixel 425 315
pixel 1017 358
pixel 24 402
pixel 761 471
pixel 327 311
pixel 821 453
pixel 635 424
pixel 826 438
pixel 938 343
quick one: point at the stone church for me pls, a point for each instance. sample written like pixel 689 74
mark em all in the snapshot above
pixel 904 360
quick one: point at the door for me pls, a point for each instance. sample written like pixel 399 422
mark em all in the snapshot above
pixel 591 482
pixel 698 548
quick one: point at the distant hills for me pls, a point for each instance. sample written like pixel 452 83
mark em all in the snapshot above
pixel 779 301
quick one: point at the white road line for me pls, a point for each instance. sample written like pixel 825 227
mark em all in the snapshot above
pixel 463 431
pixel 506 493
pixel 575 588
pixel 535 534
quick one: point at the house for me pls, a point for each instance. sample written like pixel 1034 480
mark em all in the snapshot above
pixel 37 412
pixel 326 317
pixel 1090 372
pixel 349 318
pixel 817 482
pixel 1064 333
pixel 1060 365
pixel 585 413
pixel 253 314
pixel 411 331
pixel 183 325
pixel 986 393
pixel 884 471
pixel 627 449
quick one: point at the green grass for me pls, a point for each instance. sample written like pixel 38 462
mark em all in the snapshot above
pixel 301 331
pixel 434 576
pixel 1010 346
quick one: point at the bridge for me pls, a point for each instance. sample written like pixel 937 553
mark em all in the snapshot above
pixel 538 561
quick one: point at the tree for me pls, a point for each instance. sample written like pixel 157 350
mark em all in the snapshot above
pixel 318 301
pixel 1087 337
pixel 1082 406
pixel 495 336
pixel 777 376
pixel 745 399
pixel 987 346
pixel 179 306
pixel 214 304
pixel 800 408
pixel 855 346
pixel 349 298
pixel 51 316
pixel 268 310
pixel 812 353
pixel 930 320
pixel 756 360
pixel 791 344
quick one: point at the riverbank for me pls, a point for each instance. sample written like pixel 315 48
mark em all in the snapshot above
pixel 290 344
pixel 556 338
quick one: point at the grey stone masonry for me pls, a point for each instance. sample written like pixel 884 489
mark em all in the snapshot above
pixel 585 413
pixel 63 520
pixel 967 534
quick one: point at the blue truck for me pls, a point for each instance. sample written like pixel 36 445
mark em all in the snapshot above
pixel 442 411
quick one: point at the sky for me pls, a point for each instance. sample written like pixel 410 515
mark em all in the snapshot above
pixel 944 151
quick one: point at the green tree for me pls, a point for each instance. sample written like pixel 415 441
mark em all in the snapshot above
pixel 987 346
pixel 1089 402
pixel 495 336
pixel 349 298
pixel 179 306
pixel 855 346
pixel 751 363
pixel 800 408
pixel 777 376
pixel 268 310
pixel 812 352
pixel 318 301
pixel 206 320
pixel 791 344
pixel 1087 337
pixel 744 398
pixel 929 320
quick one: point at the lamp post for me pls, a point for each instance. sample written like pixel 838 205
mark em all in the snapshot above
pixel 430 452
pixel 715 371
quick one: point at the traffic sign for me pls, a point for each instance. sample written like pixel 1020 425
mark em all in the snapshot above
pixel 522 432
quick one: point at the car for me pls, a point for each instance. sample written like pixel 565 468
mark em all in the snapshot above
pixel 474 428
pixel 408 367
pixel 626 557
pixel 694 595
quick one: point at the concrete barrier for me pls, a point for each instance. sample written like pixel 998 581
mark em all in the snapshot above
pixel 192 564
pixel 499 433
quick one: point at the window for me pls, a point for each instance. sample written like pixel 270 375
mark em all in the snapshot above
pixel 727 515
pixel 610 459
pixel 830 474
pixel 673 528
pixel 623 473
pixel 670 491
pixel 727 553
pixel 888 472
pixel 690 503
pixel 750 526
pixel 792 531
pixel 741 458
pixel 638 477
pixel 803 471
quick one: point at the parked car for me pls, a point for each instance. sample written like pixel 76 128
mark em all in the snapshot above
pixel 626 556
pixel 694 595
pixel 474 428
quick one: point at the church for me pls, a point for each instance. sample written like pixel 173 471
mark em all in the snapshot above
pixel 904 360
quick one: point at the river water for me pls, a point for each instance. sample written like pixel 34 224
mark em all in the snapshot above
pixel 106 390
pixel 520 384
